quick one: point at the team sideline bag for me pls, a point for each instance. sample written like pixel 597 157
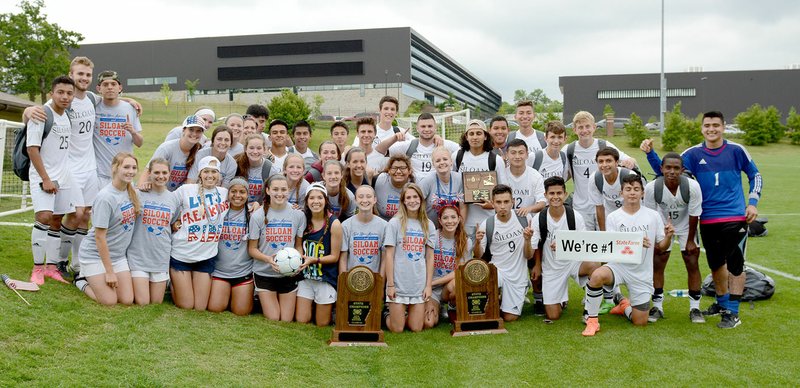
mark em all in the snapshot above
pixel 757 286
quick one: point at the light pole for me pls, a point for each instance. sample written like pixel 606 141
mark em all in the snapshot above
pixel 662 101
pixel 703 90
pixel 385 81
pixel 398 85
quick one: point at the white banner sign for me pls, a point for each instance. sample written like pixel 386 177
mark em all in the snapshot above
pixel 609 247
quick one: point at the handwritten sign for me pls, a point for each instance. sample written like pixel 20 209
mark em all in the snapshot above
pixel 609 247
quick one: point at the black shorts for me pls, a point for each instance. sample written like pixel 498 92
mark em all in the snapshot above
pixel 206 266
pixel 281 285
pixel 725 243
pixel 235 282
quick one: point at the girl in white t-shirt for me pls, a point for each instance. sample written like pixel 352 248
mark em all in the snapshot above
pixel 195 243
pixel 409 262
pixel 102 253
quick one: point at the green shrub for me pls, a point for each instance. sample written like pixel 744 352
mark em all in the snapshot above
pixel 288 107
pixel 754 123
pixel 675 128
pixel 635 130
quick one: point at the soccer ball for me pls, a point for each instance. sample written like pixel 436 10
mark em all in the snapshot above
pixel 288 260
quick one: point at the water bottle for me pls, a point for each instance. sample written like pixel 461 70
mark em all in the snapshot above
pixel 679 293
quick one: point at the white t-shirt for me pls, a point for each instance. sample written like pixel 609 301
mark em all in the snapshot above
pixel 376 161
pixel 611 197
pixel 382 134
pixel 532 141
pixel 674 206
pixel 584 164
pixel 507 250
pixel 550 167
pixel 81 149
pixel 476 213
pixel 201 226
pixel 421 161
pixel 549 261
pixel 527 189
pixel 645 221
pixel 54 149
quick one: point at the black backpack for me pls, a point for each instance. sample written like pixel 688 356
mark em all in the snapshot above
pixel 20 158
pixel 487 254
pixel 757 286
pixel 543 223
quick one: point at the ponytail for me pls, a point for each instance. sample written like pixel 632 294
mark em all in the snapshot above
pixel 191 157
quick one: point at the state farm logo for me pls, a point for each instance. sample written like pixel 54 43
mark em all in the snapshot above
pixel 627 251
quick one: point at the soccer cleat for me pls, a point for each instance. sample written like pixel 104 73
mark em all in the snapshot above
pixel 592 327
pixel 538 309
pixel 605 307
pixel 655 315
pixel 620 308
pixel 696 316
pixel 37 275
pixel 714 309
pixel 51 271
pixel 729 320
pixel 63 269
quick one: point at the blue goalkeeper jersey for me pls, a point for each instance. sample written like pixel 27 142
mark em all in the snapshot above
pixel 719 173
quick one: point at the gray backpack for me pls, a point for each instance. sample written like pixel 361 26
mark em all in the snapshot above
pixel 538 157
pixel 757 285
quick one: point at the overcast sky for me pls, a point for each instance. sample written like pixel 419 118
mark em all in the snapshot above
pixel 509 45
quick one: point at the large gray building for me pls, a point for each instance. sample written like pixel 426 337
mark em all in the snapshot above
pixel 367 63
pixel 730 92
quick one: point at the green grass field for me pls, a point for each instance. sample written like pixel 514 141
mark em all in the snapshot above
pixel 66 339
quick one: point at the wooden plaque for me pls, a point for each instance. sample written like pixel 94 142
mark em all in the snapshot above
pixel 478 185
pixel 477 301
pixel 359 305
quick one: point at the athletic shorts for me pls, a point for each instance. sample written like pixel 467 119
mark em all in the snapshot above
pixel 85 187
pixel 406 300
pixel 205 266
pixel 58 203
pixel 319 291
pixel 154 277
pixel 512 296
pixel 639 290
pixel 590 220
pixel 682 240
pixel 237 281
pixel 725 243
pixel 281 285
pixel 555 284
pixel 96 267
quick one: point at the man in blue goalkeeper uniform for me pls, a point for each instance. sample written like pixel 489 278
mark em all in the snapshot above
pixel 717 165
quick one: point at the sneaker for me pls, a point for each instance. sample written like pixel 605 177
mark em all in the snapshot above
pixel 714 309
pixel 37 275
pixel 655 315
pixel 696 316
pixel 538 309
pixel 51 271
pixel 729 320
pixel 605 307
pixel 592 327
pixel 63 269
pixel 620 308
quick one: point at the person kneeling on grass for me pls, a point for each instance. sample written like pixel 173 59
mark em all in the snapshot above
pixel 322 241
pixel 632 217
pixel 102 253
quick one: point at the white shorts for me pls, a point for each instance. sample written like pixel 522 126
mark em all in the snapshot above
pixel 85 187
pixel 555 284
pixel 639 290
pixel 58 203
pixel 154 277
pixel 406 300
pixel 513 296
pixel 682 240
pixel 317 290
pixel 590 220
pixel 96 267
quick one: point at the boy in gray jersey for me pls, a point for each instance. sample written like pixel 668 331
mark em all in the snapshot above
pixel 117 128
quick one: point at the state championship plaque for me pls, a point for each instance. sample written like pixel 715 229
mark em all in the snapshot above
pixel 478 185
pixel 358 309
pixel 477 301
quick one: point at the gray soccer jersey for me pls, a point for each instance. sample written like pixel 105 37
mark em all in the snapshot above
pixel 444 255
pixel 54 149
pixel 387 196
pixel 434 190
pixel 171 151
pixel 109 136
pixel 337 210
pixel 363 242
pixel 112 210
pixel 232 259
pixel 673 207
pixel 152 236
pixel 227 168
pixel 297 195
pixel 409 255
pixel 282 226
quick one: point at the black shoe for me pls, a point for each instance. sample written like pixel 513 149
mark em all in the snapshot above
pixel 729 320
pixel 714 309
pixel 538 309
pixel 655 315
pixel 63 269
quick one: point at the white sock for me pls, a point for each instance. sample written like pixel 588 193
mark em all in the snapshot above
pixel 38 240
pixel 51 246
pixel 75 264
pixel 694 304
pixel 628 312
pixel 67 235
pixel 593 300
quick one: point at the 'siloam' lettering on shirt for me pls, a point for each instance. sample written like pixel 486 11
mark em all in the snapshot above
pixel 232 233
pixel 414 244
pixel 75 115
pixel 633 228
pixel 155 215
pixel 365 247
pixel 444 261
pixel 279 231
pixel 255 186
pixel 177 175
pixel 507 236
pixel 112 126
pixel 392 204
pixel 128 216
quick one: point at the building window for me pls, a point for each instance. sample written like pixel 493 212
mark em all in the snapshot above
pixel 151 81
pixel 644 93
